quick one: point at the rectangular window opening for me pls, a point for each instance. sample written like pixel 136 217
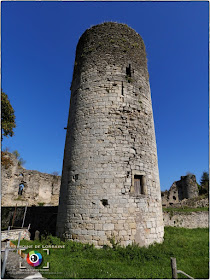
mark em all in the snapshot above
pixel 138 184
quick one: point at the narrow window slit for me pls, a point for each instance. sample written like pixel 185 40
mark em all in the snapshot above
pixel 128 71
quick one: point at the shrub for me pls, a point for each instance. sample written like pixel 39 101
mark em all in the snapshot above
pixel 5 160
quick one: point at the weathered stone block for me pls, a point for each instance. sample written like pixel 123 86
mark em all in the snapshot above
pixel 108 227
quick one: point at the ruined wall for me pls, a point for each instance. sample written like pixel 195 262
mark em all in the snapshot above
pixel 185 188
pixel 187 219
pixel 110 180
pixel 39 188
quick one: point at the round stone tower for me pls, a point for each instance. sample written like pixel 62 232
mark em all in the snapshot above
pixel 110 182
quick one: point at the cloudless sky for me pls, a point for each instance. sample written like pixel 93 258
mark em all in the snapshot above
pixel 38 50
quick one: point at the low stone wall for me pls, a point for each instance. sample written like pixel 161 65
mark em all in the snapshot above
pixel 186 219
pixel 14 234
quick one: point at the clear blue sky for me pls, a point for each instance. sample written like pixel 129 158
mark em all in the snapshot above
pixel 38 50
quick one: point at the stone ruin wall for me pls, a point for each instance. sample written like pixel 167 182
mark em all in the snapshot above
pixel 180 191
pixel 110 141
pixel 39 188
pixel 187 219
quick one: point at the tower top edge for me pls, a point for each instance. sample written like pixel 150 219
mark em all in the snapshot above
pixel 110 24
pixel 110 43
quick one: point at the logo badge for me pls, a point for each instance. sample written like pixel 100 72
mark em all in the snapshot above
pixel 34 258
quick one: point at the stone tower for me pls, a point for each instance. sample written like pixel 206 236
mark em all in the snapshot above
pixel 110 182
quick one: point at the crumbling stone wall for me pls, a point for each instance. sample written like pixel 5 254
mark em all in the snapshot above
pixel 38 188
pixel 110 182
pixel 185 188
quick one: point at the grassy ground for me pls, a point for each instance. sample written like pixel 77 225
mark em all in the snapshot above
pixel 188 246
pixel 185 209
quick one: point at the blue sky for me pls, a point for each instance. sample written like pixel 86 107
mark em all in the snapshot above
pixel 38 51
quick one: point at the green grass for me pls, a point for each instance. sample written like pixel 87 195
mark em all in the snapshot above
pixel 185 209
pixel 188 246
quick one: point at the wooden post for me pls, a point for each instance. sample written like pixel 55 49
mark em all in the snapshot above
pixel 14 215
pixel 24 216
pixel 36 235
pixel 174 269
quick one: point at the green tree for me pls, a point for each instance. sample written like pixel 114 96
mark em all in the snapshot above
pixel 7 116
pixel 204 179
pixel 204 183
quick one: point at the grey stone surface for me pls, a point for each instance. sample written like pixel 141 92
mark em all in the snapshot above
pixel 110 141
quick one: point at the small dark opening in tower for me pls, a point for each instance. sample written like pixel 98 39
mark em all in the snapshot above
pixel 20 190
pixel 122 89
pixel 174 198
pixel 104 202
pixel 128 71
pixel 138 184
pixel 75 177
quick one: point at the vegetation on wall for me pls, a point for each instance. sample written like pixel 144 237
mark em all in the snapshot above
pixel 5 160
pixel 21 161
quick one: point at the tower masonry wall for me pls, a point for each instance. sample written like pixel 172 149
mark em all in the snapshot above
pixel 110 182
